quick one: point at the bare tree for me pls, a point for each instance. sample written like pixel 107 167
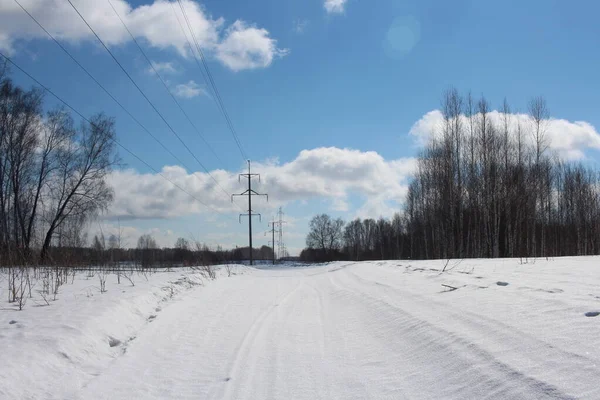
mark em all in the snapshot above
pixel 19 123
pixel 325 234
pixel 182 244
pixel 146 241
pixel 146 246
pixel 83 166
pixel 539 116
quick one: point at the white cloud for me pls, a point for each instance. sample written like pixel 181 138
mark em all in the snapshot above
pixel 248 47
pixel 140 196
pixel 569 139
pixel 334 173
pixel 335 6
pixel 156 23
pixel 163 67
pixel 425 128
pixel 376 207
pixel 189 90
pixel 328 173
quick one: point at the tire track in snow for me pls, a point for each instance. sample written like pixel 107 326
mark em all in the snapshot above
pixel 502 334
pixel 323 384
pixel 237 362
pixel 426 344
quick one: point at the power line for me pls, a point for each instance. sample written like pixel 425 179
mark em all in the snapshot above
pixel 191 48
pixel 212 83
pixel 101 86
pixel 249 192
pixel 146 97
pixel 112 139
pixel 164 83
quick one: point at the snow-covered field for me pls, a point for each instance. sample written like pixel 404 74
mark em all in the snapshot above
pixel 378 330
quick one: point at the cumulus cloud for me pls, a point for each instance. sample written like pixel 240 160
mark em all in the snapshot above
pixel 569 139
pixel 156 23
pixel 189 90
pixel 248 47
pixel 139 196
pixel 376 207
pixel 335 6
pixel 327 173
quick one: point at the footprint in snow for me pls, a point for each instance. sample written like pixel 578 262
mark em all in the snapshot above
pixel 113 342
pixel 500 283
pixel 592 313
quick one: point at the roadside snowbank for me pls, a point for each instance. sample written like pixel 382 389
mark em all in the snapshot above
pixel 51 350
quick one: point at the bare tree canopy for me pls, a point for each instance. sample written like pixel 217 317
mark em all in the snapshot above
pixel 182 244
pixel 325 233
pixel 146 242
pixel 52 175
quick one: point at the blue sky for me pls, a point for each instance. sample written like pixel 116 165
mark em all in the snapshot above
pixel 319 76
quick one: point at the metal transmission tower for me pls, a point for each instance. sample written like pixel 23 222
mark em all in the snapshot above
pixel 281 246
pixel 273 230
pixel 249 192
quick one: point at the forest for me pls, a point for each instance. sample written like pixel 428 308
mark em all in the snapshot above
pixel 487 184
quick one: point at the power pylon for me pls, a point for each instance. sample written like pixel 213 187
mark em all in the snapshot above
pixel 249 192
pixel 280 244
pixel 272 241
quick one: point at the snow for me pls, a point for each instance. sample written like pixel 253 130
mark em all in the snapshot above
pixel 499 329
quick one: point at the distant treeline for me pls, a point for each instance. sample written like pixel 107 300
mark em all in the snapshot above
pixel 148 255
pixel 486 185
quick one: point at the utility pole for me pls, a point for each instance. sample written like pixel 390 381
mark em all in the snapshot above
pixel 249 192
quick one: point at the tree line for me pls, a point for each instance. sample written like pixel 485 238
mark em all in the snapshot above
pixel 486 185
pixel 147 253
pixel 52 174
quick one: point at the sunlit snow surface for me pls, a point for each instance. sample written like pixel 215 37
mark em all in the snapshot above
pixel 379 330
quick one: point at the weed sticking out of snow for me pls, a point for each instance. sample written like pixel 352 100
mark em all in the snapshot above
pixel 77 326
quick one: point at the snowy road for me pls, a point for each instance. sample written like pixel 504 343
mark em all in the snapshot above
pixel 367 331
